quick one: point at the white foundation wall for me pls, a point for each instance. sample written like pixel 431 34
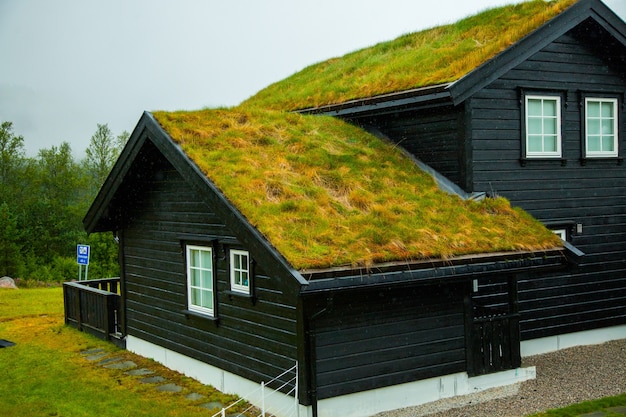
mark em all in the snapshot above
pixel 353 405
pixel 416 393
pixel 590 337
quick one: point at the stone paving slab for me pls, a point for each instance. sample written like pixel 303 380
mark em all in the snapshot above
pixel 215 405
pixel 110 360
pixel 122 365
pixel 92 351
pixel 95 357
pixel 153 380
pixel 170 388
pixel 139 372
pixel 194 396
pixel 617 410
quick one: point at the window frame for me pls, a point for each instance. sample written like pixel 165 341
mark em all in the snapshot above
pixel 234 286
pixel 210 312
pixel 585 118
pixel 558 154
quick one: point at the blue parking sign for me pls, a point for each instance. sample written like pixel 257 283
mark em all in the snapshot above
pixel 82 254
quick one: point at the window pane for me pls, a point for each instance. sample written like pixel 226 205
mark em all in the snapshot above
pixel 593 143
pixel 549 107
pixel 593 126
pixel 195 278
pixel 207 299
pixel 244 278
pixel 196 297
pixel 608 144
pixel 534 126
pixel 535 143
pixel 534 107
pixel 207 261
pixel 593 109
pixel 550 143
pixel 195 257
pixel 607 126
pixel 207 280
pixel 607 109
pixel 549 126
pixel 237 261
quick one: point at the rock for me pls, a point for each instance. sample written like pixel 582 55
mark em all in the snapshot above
pixel 7 282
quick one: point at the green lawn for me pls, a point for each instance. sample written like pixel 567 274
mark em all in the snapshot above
pixel 44 374
pixel 587 407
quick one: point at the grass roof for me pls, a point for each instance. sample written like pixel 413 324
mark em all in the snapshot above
pixel 431 57
pixel 326 193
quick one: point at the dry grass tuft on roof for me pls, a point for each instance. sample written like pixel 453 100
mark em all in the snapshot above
pixel 326 193
pixel 431 57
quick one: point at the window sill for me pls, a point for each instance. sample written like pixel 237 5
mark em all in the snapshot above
pixel 200 320
pixel 525 160
pixel 615 159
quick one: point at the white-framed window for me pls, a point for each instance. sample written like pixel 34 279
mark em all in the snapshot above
pixel 240 271
pixel 601 127
pixel 562 233
pixel 200 282
pixel 543 126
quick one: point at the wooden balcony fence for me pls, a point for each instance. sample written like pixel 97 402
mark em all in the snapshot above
pixel 94 307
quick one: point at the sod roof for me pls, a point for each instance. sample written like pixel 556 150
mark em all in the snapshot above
pixel 326 193
pixel 430 57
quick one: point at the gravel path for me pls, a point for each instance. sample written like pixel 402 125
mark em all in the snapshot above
pixel 564 377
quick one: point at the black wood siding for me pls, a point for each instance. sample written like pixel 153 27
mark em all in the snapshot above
pixel 431 135
pixel 254 338
pixel 592 194
pixel 375 339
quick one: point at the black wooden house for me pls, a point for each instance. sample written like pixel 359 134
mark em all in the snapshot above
pixel 478 131
pixel 412 329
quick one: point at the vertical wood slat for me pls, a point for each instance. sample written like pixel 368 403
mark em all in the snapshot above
pixel 92 306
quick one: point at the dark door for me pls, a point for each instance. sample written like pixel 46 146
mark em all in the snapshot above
pixel 494 342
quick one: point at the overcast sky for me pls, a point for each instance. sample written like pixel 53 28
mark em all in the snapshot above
pixel 67 65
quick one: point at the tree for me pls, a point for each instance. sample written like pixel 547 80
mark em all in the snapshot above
pixel 10 247
pixel 57 204
pixel 102 153
pixel 11 157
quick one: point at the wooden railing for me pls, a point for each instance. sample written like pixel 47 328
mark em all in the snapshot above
pixel 93 307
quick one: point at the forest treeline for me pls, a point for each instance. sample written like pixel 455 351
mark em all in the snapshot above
pixel 43 200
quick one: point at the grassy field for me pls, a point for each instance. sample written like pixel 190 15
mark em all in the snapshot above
pixel 44 374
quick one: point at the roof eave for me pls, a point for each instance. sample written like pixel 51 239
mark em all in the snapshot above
pixel 389 101
pixel 458 269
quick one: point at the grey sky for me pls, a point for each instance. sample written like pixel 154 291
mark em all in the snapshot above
pixel 67 65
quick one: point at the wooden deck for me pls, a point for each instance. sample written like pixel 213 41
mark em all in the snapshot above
pixel 94 307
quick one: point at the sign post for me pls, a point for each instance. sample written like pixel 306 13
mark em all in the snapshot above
pixel 82 258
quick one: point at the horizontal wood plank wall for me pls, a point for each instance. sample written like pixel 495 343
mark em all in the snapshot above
pixel 376 339
pixel 591 194
pixel 431 135
pixel 253 338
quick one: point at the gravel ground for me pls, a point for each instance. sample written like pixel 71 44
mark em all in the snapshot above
pixel 564 377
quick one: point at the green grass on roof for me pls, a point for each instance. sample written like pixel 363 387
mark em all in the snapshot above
pixel 430 57
pixel 326 193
